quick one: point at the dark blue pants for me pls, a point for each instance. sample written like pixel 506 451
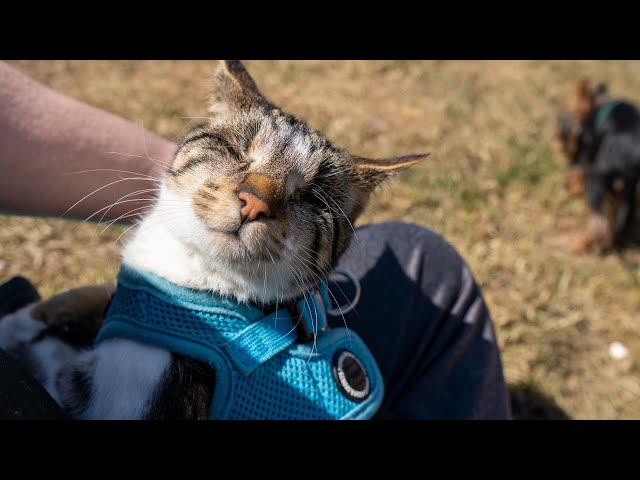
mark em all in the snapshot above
pixel 424 319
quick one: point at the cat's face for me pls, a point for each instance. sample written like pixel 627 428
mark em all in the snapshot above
pixel 269 199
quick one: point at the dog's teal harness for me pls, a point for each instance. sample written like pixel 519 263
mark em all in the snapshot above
pixel 603 112
pixel 286 365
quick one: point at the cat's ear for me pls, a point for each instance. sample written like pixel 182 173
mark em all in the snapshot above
pixel 370 173
pixel 233 88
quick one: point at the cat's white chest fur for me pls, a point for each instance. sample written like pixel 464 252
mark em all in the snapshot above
pixel 156 248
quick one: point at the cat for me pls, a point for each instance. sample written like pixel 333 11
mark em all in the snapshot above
pixel 256 206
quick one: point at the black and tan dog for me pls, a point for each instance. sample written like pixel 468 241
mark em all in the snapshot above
pixel 601 139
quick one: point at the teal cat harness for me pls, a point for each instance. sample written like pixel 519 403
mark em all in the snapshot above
pixel 288 364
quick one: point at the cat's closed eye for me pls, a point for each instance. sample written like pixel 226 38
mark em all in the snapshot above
pixel 312 196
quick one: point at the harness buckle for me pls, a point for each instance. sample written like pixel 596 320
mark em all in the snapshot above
pixel 309 315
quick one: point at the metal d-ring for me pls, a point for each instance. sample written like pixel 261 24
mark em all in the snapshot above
pixel 356 298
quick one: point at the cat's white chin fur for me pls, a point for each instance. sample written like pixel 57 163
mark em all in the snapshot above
pixel 163 244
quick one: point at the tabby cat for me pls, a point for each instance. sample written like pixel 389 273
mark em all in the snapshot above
pixel 256 206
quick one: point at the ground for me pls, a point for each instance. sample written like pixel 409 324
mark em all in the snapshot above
pixel 493 186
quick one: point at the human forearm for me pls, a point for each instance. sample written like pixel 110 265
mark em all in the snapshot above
pixel 46 136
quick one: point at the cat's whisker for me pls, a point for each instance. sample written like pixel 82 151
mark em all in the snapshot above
pixel 282 286
pixel 144 208
pixel 178 137
pixel 324 273
pixel 311 253
pixel 314 347
pixel 341 211
pixel 338 192
pixel 108 227
pixel 306 300
pixel 309 261
pixel 264 282
pixel 132 226
pixel 161 164
pixel 271 257
pixel 334 173
pixel 112 170
pixel 301 279
pixel 187 215
pixel 279 274
pixel 102 188
pixel 109 206
pixel 321 198
pixel 148 207
pixel 238 132
pixel 154 160
pixel 162 212
pixel 196 118
pixel 226 141
pixel 118 202
pixel 348 221
pixel 334 298
pixel 313 265
pixel 125 201
pixel 321 276
pixel 191 119
pixel 298 322
pixel 138 192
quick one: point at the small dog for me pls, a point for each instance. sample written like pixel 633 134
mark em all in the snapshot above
pixel 600 137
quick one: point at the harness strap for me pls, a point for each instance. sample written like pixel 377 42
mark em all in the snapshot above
pixel 310 314
pixel 261 341
pixel 604 111
pixel 219 321
pixel 267 337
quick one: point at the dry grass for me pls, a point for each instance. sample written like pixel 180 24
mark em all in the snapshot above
pixel 493 187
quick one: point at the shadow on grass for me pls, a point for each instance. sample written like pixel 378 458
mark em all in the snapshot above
pixel 528 403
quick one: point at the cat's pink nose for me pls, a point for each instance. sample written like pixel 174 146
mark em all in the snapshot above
pixel 253 208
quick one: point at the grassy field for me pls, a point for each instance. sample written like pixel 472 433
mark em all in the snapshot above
pixel 493 186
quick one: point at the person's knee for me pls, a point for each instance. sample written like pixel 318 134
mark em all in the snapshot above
pixel 408 236
pixel 433 305
pixel 426 256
